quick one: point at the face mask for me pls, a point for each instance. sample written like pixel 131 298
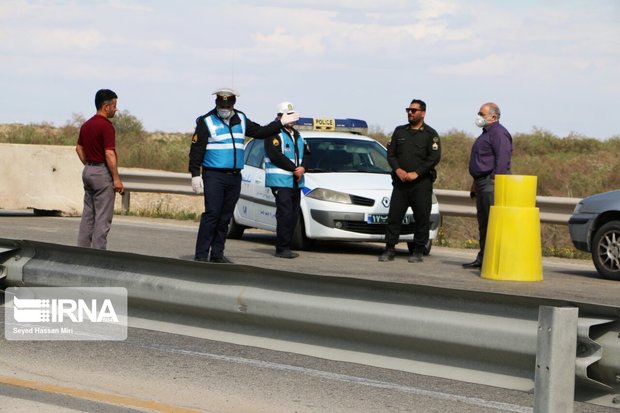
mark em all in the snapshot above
pixel 481 122
pixel 224 113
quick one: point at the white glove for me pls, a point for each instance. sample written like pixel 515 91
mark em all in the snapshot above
pixel 197 184
pixel 290 117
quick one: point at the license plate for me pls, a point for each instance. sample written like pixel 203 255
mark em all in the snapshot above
pixel 382 219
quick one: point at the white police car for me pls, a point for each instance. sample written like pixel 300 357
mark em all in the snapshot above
pixel 347 194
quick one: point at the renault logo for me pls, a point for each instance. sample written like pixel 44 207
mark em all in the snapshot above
pixel 385 201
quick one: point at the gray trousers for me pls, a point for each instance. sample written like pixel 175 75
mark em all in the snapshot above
pixel 98 207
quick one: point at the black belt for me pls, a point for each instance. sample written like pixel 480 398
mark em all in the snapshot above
pixel 95 163
pixel 481 177
pixel 224 171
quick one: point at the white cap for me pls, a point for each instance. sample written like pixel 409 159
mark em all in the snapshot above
pixel 285 107
pixel 225 91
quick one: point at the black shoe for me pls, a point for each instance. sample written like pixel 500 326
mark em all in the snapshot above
pixel 416 257
pixel 220 260
pixel 202 259
pixel 388 255
pixel 474 264
pixel 287 254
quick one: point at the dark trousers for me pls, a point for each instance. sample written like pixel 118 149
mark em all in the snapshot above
pixel 485 188
pixel 419 196
pixel 98 207
pixel 221 193
pixel 287 214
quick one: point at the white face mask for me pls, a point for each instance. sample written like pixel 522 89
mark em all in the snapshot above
pixel 481 122
pixel 224 113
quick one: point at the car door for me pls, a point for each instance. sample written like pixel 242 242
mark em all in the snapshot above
pixel 256 206
pixel 264 201
pixel 245 208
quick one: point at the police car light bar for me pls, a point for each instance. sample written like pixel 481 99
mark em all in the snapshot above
pixel 330 124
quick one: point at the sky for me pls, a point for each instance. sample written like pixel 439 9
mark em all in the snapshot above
pixel 549 64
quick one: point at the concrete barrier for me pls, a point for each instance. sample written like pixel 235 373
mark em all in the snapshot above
pixel 44 177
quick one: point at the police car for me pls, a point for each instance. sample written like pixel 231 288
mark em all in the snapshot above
pixel 347 193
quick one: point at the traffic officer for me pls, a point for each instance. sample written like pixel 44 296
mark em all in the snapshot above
pixel 413 152
pixel 286 157
pixel 217 150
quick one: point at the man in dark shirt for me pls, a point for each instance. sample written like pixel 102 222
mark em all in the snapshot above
pixel 413 152
pixel 215 162
pixel 490 155
pixel 96 148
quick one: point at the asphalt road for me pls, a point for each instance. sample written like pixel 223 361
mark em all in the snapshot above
pixel 158 371
pixel 175 372
pixel 571 280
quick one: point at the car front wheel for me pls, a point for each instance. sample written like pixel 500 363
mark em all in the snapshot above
pixel 606 250
pixel 235 230
pixel 300 240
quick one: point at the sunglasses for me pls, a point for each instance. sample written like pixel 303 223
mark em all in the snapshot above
pixel 413 110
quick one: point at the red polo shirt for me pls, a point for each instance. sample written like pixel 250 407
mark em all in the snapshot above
pixel 96 135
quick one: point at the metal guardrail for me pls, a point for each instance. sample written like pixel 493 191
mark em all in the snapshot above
pixel 471 336
pixel 553 210
pixel 163 182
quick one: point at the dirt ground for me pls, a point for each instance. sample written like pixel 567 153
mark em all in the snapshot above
pixel 163 203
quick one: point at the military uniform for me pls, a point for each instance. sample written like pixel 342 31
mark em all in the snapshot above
pixel 413 150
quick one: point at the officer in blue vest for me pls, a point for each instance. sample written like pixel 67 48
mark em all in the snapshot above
pixel 285 160
pixel 216 161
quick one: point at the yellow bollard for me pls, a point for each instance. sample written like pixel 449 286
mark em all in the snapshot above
pixel 515 191
pixel 513 248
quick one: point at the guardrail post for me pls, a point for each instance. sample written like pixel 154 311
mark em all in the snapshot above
pixel 556 351
pixel 125 202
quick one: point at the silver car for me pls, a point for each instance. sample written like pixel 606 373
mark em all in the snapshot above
pixel 595 227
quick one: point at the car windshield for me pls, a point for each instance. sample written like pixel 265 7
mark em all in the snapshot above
pixel 347 155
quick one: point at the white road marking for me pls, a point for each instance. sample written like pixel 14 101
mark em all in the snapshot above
pixel 474 401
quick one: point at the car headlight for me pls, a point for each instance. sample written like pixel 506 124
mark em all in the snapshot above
pixel 330 196
pixel 578 207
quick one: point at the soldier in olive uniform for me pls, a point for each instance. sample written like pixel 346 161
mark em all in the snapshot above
pixel 413 152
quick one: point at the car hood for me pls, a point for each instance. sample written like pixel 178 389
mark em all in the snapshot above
pixel 607 201
pixel 348 181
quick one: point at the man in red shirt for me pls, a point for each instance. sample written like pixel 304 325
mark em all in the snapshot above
pixel 96 148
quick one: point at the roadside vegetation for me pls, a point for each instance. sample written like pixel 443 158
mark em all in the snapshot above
pixel 571 166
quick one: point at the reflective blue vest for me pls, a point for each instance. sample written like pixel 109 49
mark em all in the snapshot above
pixel 225 147
pixel 276 177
